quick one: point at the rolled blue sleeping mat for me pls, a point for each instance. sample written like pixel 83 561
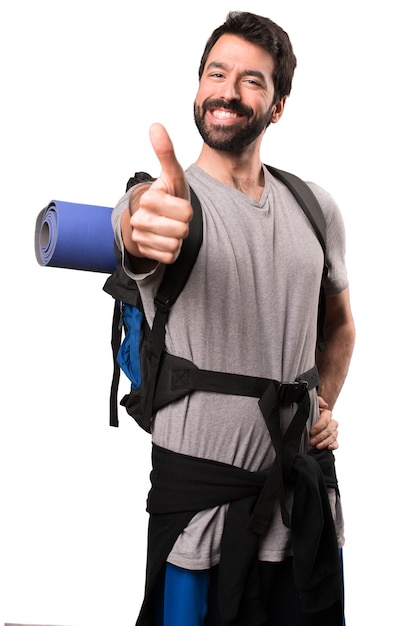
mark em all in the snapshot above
pixel 75 236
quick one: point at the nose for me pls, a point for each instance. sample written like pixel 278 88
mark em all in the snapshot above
pixel 230 89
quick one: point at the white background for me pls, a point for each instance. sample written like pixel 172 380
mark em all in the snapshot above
pixel 81 82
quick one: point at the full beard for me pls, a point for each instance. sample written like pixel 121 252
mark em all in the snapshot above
pixel 229 138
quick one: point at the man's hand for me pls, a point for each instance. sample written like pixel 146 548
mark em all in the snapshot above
pixel 160 214
pixel 325 432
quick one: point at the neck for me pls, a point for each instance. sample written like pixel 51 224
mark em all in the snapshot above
pixel 241 171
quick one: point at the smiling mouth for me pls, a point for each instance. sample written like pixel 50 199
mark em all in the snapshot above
pixel 222 114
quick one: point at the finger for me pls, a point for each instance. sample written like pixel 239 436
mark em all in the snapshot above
pixel 322 404
pixel 160 237
pixel 323 432
pixel 164 251
pixel 326 437
pixel 156 202
pixel 172 174
pixel 330 442
pixel 324 421
pixel 172 223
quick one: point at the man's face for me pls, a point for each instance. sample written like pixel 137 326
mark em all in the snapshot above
pixel 234 102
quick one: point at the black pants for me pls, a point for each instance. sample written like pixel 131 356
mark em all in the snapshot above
pixel 280 599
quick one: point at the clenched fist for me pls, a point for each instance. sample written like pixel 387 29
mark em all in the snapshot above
pixel 160 213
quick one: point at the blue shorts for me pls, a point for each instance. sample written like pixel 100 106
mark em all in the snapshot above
pixel 181 597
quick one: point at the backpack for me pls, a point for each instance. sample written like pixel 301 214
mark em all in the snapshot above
pixel 157 377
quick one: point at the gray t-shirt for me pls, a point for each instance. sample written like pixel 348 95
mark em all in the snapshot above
pixel 249 307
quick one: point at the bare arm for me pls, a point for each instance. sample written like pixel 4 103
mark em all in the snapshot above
pixel 339 332
pixel 333 366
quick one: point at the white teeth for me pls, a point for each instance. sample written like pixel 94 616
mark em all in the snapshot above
pixel 222 114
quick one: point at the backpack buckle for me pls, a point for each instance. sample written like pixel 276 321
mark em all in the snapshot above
pixel 162 303
pixel 293 392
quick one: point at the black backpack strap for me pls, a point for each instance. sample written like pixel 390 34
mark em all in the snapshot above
pixel 307 200
pixel 177 274
pixel 174 279
pixel 312 209
pixel 116 339
pixel 179 377
pixel 124 289
pixel 193 379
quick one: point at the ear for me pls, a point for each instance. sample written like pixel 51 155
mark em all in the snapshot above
pixel 277 110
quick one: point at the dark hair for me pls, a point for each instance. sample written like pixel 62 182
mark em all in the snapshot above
pixel 265 33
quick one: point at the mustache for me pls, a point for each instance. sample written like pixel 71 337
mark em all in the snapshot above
pixel 231 105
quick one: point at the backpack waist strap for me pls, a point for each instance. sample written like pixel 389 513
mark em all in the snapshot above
pixel 179 377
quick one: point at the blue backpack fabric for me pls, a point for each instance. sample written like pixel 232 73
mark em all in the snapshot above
pixel 128 353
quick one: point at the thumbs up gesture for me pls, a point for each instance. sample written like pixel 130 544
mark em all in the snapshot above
pixel 160 214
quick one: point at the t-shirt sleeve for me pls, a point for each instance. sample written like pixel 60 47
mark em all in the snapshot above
pixel 336 279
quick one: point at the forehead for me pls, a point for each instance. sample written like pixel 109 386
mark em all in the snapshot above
pixel 234 52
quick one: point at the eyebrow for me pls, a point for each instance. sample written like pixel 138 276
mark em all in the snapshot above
pixel 224 66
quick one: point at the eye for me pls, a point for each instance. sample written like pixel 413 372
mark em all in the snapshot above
pixel 253 82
